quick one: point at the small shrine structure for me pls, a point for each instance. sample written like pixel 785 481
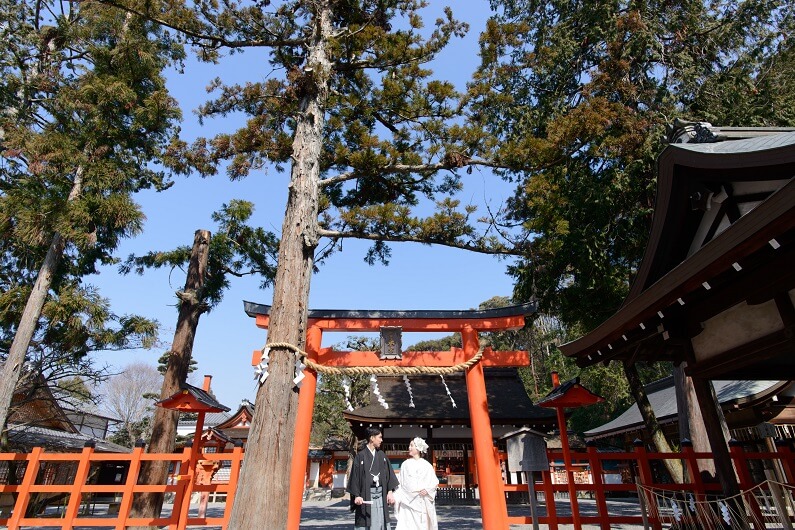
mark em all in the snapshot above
pixel 568 395
pixel 191 399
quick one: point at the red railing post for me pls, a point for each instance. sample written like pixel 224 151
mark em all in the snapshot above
pixel 234 476
pixel 691 463
pixel 595 464
pixel 23 492
pixel 646 479
pixel 129 485
pixel 787 459
pixel 549 498
pixel 76 493
pixel 737 454
pixel 193 457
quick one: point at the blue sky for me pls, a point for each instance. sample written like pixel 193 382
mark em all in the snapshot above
pixel 418 277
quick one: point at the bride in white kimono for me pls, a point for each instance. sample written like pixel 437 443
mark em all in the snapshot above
pixel 415 500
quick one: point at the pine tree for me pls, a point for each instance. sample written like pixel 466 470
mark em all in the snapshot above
pixel 235 250
pixel 576 98
pixel 348 105
pixel 84 112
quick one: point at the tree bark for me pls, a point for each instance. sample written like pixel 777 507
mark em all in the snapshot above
pixel 12 369
pixel 265 477
pixel 164 424
pixel 658 438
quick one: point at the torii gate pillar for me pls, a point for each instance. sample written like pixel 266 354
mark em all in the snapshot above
pixel 492 499
pixel 303 430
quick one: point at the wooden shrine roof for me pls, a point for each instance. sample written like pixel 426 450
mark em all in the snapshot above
pixel 569 394
pixel 191 398
pixel 723 233
pixel 732 395
pixel 508 401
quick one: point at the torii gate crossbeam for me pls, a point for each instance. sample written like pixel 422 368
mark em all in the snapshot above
pixel 494 511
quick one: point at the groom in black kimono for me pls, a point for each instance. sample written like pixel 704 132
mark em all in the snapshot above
pixel 371 485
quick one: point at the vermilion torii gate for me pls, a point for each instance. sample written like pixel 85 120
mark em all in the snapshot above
pixel 471 359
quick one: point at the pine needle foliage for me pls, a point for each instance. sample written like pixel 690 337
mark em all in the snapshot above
pixel 84 112
pixel 576 97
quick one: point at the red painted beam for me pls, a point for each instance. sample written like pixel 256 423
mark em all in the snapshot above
pixel 329 357
pixel 410 324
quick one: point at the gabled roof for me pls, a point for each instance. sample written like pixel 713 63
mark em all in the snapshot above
pixel 662 397
pixel 508 401
pixel 34 404
pixel 57 440
pixel 747 171
pixel 211 419
pixel 570 394
pixel 191 398
pixel 241 419
pixel 723 233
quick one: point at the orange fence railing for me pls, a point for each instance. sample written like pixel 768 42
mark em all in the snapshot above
pixel 72 478
pixel 642 466
pixel 79 495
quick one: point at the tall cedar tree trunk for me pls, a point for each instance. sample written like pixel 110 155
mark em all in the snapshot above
pixel 164 424
pixel 12 369
pixel 263 489
pixel 658 439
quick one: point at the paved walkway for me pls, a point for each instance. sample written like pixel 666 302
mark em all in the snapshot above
pixel 335 515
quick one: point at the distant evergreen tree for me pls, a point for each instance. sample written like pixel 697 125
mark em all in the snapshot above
pixel 83 113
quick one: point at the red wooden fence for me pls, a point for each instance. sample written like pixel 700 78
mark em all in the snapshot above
pixel 642 462
pixel 81 495
pixel 80 492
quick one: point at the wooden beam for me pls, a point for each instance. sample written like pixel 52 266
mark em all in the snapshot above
pixel 328 357
pixel 774 345
pixel 447 325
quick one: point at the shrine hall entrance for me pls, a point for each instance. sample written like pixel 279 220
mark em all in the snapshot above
pixel 468 361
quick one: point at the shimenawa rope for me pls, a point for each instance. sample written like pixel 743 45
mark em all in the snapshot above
pixel 378 370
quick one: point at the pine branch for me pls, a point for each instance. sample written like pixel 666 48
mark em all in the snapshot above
pixel 411 168
pixel 467 245
pixel 213 40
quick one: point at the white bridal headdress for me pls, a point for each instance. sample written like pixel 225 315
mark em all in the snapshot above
pixel 420 444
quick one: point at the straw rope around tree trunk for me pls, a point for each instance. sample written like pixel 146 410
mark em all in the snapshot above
pixel 378 370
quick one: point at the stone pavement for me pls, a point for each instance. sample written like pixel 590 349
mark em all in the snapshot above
pixel 335 515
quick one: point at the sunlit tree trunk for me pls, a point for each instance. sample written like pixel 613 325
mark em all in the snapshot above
pixel 658 438
pixel 265 478
pixel 164 424
pixel 12 369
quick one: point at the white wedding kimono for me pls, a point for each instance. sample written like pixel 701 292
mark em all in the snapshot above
pixel 415 511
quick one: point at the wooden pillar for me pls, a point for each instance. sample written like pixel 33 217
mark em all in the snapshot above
pixel 567 464
pixel 710 413
pixel 303 429
pixel 467 470
pixel 494 511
